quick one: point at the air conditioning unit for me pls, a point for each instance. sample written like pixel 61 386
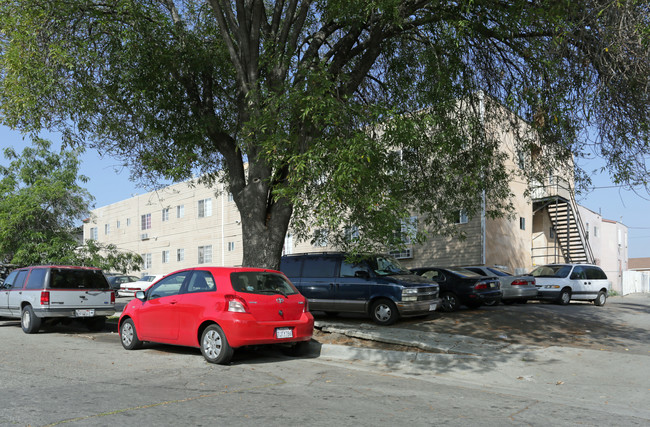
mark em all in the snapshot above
pixel 144 236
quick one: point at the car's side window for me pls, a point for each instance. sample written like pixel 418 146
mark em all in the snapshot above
pixel 201 281
pixel 476 270
pixel 319 266
pixel 578 273
pixel 170 285
pixel 10 280
pixel 290 266
pixel 435 275
pixel 349 270
pixel 20 280
pixel 595 273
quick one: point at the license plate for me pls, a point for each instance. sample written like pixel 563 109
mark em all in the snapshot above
pixel 85 313
pixel 284 333
pixel 432 307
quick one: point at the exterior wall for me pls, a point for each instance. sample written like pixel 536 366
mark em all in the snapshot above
pixel 121 224
pixel 614 245
pixel 592 224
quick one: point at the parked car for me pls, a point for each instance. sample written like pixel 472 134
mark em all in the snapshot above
pixel 459 286
pixel 563 282
pixel 373 284
pixel 115 280
pixel 129 289
pixel 50 293
pixel 514 289
pixel 218 309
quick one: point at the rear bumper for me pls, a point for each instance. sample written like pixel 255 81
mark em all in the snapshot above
pixel 418 308
pixel 71 312
pixel 245 330
pixel 518 293
pixel 483 297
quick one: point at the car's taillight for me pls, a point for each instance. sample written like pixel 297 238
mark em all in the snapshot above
pixel 45 298
pixel 522 282
pixel 236 304
pixel 306 307
pixel 112 297
pixel 481 285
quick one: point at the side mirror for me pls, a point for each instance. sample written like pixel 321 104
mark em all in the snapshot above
pixel 140 295
pixel 362 274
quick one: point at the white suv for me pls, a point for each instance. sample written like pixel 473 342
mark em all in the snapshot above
pixel 36 294
pixel 564 282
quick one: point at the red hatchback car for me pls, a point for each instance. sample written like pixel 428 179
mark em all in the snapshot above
pixel 218 309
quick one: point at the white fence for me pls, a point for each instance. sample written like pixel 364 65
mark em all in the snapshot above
pixel 636 282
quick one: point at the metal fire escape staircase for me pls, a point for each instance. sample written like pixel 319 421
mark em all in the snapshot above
pixel 570 234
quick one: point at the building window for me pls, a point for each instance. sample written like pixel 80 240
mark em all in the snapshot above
pixel 165 214
pixel 406 232
pixel 205 254
pixel 118 224
pixel 147 261
pixel 205 208
pixel 165 257
pixel 180 254
pixel 595 231
pixel 521 160
pixel 351 233
pixel 146 221
pixel 522 223
pixel 128 222
pixel 230 197
pixel 107 229
pixel 93 233
pixel 320 238
pixel 231 246
pixel 462 217
pixel 180 211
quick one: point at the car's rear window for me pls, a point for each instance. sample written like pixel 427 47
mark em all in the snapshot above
pixel 559 271
pixel 255 282
pixel 68 278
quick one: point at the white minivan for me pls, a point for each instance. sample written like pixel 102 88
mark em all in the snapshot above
pixel 50 292
pixel 563 282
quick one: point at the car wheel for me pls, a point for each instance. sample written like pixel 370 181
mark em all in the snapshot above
pixel 29 321
pixel 565 296
pixel 96 324
pixel 600 299
pixel 298 349
pixel 449 302
pixel 129 336
pixel 384 312
pixel 214 345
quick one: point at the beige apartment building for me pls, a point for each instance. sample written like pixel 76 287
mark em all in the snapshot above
pixel 189 224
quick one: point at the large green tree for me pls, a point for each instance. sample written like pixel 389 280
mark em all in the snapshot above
pixel 336 114
pixel 42 204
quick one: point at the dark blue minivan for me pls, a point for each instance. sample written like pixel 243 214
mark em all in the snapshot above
pixel 373 284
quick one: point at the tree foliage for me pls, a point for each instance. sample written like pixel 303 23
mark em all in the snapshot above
pixel 41 205
pixel 335 114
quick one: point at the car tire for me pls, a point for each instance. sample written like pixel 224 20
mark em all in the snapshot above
pixel 600 299
pixel 96 324
pixel 384 312
pixel 298 349
pixel 214 345
pixel 565 296
pixel 129 336
pixel 449 302
pixel 491 303
pixel 29 321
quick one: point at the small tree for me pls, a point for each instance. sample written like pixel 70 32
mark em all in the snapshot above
pixel 41 204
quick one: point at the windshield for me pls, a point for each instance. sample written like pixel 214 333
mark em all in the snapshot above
pixel 551 271
pixel 257 282
pixel 385 265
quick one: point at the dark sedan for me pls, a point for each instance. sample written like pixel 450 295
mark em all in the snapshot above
pixel 459 286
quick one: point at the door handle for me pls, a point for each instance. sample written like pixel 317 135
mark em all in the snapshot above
pixel 173 302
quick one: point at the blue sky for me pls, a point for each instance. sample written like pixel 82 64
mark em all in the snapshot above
pixel 109 183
